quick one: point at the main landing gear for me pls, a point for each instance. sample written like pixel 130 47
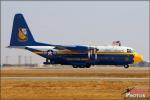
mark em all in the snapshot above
pixel 81 66
pixel 126 66
pixel 47 62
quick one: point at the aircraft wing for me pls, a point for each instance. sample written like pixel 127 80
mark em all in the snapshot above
pixel 80 49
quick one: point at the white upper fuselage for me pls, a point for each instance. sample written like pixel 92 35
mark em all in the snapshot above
pixel 100 48
pixel 114 49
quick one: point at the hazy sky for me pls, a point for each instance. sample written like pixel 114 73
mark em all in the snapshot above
pixel 78 22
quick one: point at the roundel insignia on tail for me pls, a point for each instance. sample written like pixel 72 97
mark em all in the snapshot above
pixel 22 34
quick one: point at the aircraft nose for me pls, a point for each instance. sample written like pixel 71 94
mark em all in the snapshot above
pixel 138 58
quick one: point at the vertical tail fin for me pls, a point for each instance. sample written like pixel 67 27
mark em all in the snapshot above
pixel 21 35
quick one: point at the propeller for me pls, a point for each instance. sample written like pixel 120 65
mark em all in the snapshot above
pixel 89 52
pixel 95 50
pixel 92 52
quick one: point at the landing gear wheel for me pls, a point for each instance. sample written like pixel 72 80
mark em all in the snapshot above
pixel 81 66
pixel 46 63
pixel 75 66
pixel 126 66
pixel 88 66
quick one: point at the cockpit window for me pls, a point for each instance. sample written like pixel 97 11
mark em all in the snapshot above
pixel 129 50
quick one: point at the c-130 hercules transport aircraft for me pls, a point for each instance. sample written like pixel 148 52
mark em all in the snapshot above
pixel 78 56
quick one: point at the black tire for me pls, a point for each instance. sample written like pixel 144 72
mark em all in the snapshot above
pixel 46 63
pixel 75 66
pixel 88 66
pixel 126 66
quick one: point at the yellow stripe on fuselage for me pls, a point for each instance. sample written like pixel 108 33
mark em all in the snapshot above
pixel 39 52
pixel 114 53
pixel 69 52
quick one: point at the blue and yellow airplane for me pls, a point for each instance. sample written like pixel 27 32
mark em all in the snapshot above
pixel 78 56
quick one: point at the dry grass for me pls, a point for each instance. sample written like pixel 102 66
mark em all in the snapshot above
pixel 93 72
pixel 70 89
pixel 66 90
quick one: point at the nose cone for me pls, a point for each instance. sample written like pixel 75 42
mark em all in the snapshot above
pixel 138 58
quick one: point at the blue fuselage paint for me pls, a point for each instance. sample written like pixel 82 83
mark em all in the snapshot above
pixel 83 58
pixel 101 59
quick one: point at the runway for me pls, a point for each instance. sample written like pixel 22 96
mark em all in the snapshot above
pixel 73 78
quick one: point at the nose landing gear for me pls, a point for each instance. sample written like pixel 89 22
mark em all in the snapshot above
pixel 126 66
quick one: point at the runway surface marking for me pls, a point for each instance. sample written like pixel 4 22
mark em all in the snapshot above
pixel 71 78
